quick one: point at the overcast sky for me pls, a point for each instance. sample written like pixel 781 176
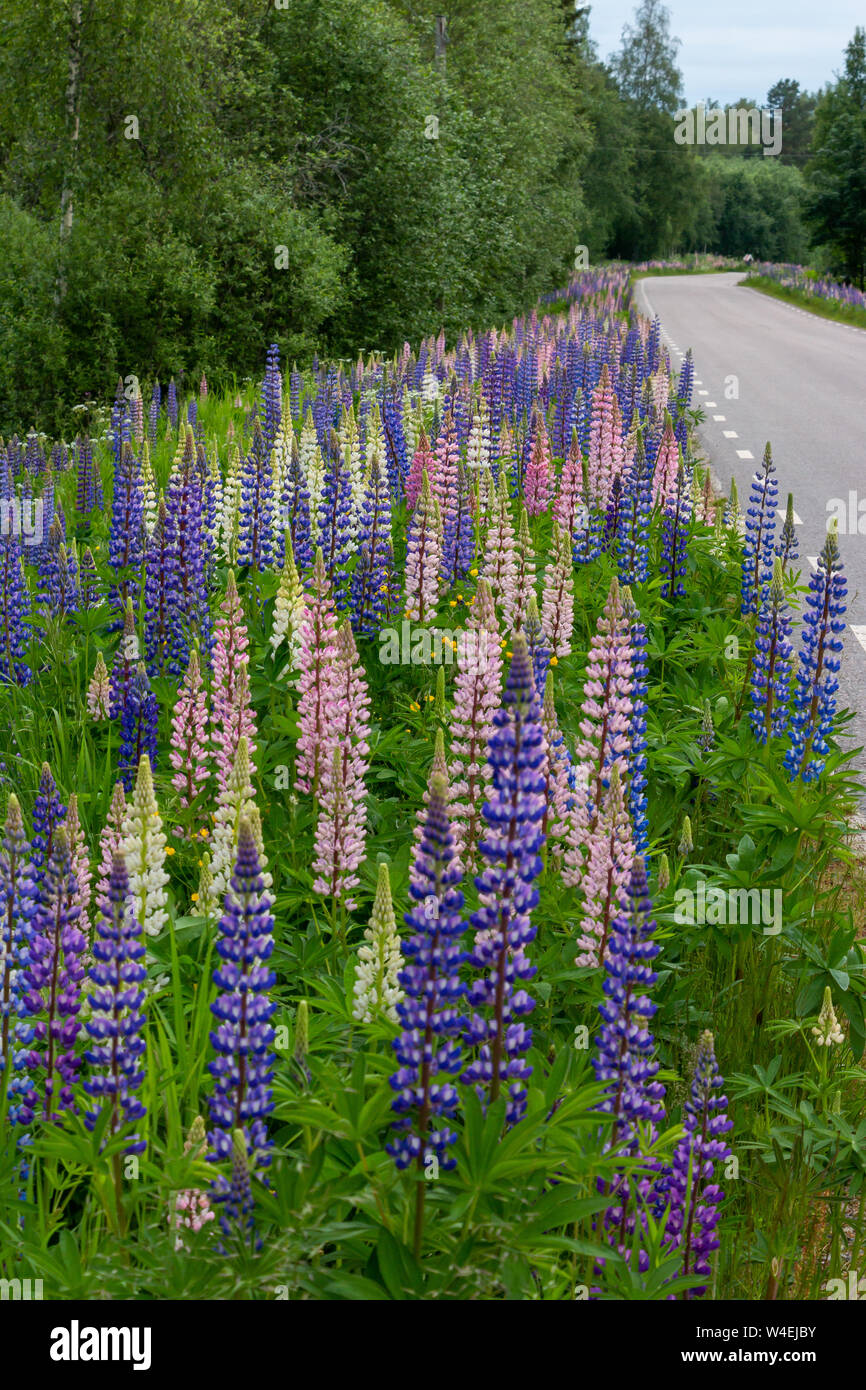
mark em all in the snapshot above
pixel 739 48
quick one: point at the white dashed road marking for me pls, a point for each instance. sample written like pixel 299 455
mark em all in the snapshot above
pixel 730 434
pixel 860 633
pixel 745 454
pixel 720 417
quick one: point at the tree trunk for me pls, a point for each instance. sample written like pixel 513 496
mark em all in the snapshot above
pixel 73 91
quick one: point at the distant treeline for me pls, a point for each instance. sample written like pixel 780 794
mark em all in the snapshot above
pixel 182 183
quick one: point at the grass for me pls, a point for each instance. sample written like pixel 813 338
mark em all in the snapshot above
pixel 824 308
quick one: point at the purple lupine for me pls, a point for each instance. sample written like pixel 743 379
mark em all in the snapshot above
pixel 171 404
pixel 17 908
pixel 14 614
pixel 255 529
pixel 49 812
pixel 772 664
pixel 636 755
pixel 513 811
pixel 295 510
pixel 367 591
pixel 688 1186
pixel 819 661
pixel 85 494
pixel 625 1060
pixel 788 546
pixel 272 398
pixel 335 512
pixel 116 1019
pixel 632 540
pixel 160 594
pixel 153 414
pixel 190 610
pixel 243 1038
pixel 53 980
pixel 760 536
pixel 139 717
pixel 675 537
pixel 126 537
pixel 428 1049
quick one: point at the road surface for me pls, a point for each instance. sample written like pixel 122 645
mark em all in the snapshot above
pixel 765 370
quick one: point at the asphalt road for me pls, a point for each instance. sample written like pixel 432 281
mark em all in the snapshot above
pixel 765 370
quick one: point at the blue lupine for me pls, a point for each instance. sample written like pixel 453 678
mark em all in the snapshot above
pixel 427 1049
pixel 772 663
pixel 760 536
pixel 819 662
pixel 675 538
pixel 243 1038
pixel 58 581
pixel 49 812
pixel 335 518
pixel 692 1196
pixel 171 404
pixel 153 414
pixel 53 980
pixel 116 1018
pixel 160 594
pixel 126 537
pixel 17 908
pixel 514 812
pixel 190 620
pixel 635 512
pixel 15 629
pixel 272 398
pixel 536 643
pixel 368 587
pixel 788 546
pixel 588 525
pixel 295 511
pixel 625 1061
pixel 139 717
pixel 255 529
pixel 85 494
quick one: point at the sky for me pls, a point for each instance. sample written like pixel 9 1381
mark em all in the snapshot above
pixel 739 48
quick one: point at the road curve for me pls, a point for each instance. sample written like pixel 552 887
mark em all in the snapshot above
pixel 766 370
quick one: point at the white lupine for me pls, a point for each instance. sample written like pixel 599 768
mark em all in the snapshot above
pixel 377 990
pixel 213 463
pixel 231 502
pixel 235 801
pixel 148 488
pixel 411 424
pixel 308 442
pixel 315 484
pixel 255 820
pixel 828 1032
pixel 281 459
pixel 350 443
pixel 289 609
pixel 143 848
pixel 478 444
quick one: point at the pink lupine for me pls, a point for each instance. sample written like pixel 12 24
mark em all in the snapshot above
pixel 339 845
pixel 537 482
pixel 231 717
pixel 476 700
pixel 500 563
pixel 607 706
pixel 557 602
pixel 110 841
pixel 99 690
pixel 444 484
pixel 423 464
pixel 666 467
pixel 348 709
pixel 423 557
pixel 605 439
pixel 609 855
pixel 568 496
pixel 524 583
pixel 660 386
pixel 189 738
pixel 202 389
pixel 318 650
pixel 191 1208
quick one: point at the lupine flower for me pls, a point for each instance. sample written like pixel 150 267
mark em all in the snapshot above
pixel 191 1209
pixel 139 716
pixel 772 664
pixel 827 1032
pixel 524 584
pixel 243 1037
pixel 760 536
pixel 341 828
pixel 689 1190
pixel 537 482
pixel 423 558
pixel 53 981
pixel 318 649
pixel 369 584
pixel 557 602
pixel 686 843
pixel 160 593
pixel 625 1061
pixel 632 539
pixel 787 546
pixel 557 796
pixel 636 755
pixel 427 1050
pixel 48 813
pixel 377 989
pixel 143 849
pixel 819 662
pixel 115 1022
pixel 707 736
pixel 539 652
pixel 500 563
pixel 608 866
pixel 607 702
pixel 17 908
pixel 234 804
pixel 666 468
pixel 289 609
pixel 503 923
pixel 423 464
pixel 568 497
pixel 110 843
pixel 80 861
pixel 189 754
pixel 335 520
pixel 126 539
pixel 233 717
pixel 124 665
pixel 99 690
pixel 605 440
pixel 458 532
pixel 476 700
pixel 14 613
pixel 675 537
pixel 272 396
pixel 190 611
